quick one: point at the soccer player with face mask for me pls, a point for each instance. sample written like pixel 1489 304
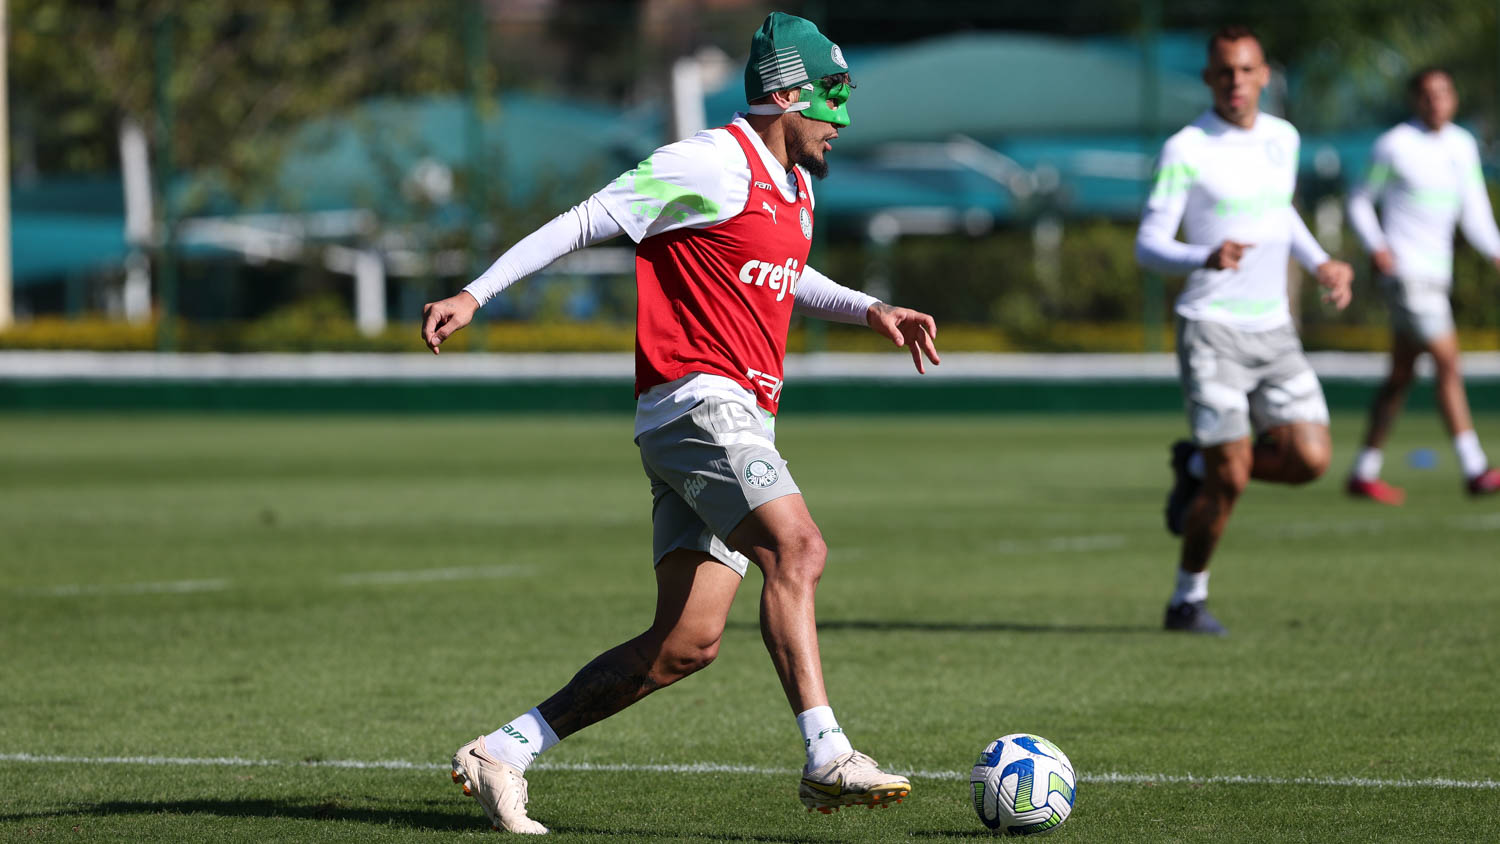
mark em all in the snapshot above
pixel 1228 179
pixel 1425 175
pixel 722 223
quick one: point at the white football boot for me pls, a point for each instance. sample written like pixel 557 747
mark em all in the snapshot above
pixel 853 779
pixel 499 788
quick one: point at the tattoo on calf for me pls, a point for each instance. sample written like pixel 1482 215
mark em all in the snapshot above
pixel 612 681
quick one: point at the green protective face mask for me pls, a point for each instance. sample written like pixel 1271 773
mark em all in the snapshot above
pixel 818 104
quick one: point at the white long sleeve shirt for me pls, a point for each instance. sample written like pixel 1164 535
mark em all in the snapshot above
pixel 694 183
pixel 710 170
pixel 1217 182
pixel 1425 183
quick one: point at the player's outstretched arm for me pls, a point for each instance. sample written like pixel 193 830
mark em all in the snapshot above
pixel 440 319
pixel 584 224
pixel 905 327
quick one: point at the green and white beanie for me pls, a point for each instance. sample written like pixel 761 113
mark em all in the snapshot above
pixel 789 52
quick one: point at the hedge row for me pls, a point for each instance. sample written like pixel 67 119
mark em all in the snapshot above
pixel 99 334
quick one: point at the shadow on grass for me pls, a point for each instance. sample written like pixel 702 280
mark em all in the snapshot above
pixel 461 820
pixel 659 835
pixel 962 627
pixel 333 810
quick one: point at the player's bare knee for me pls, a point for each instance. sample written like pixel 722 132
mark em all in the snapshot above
pixel 1312 464
pixel 1399 380
pixel 1229 485
pixel 680 659
pixel 807 554
pixel 798 559
pixel 1227 480
pixel 1311 458
pixel 1446 370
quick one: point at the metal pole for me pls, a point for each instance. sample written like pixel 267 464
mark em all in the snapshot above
pixel 472 21
pixel 1154 291
pixel 166 275
pixel 7 307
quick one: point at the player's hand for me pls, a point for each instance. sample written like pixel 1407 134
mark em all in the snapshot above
pixel 1383 262
pixel 913 329
pixel 1496 262
pixel 1227 256
pixel 441 319
pixel 1336 278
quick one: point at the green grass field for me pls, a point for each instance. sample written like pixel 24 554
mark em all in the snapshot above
pixel 279 628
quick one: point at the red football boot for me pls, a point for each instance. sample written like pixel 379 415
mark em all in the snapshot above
pixel 1485 483
pixel 1378 490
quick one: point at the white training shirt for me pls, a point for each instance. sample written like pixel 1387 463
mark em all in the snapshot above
pixel 693 183
pixel 1425 182
pixel 1221 182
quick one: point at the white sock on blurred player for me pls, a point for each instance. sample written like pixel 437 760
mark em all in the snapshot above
pixel 1192 586
pixel 824 737
pixel 1368 464
pixel 522 740
pixel 1470 456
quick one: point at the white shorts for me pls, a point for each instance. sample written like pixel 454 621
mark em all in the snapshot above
pixel 1235 381
pixel 1419 309
pixel 709 468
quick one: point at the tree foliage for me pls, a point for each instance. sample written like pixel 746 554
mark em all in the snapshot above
pixel 238 74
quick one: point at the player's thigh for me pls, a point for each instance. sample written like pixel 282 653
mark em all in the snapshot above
pixel 1444 351
pixel 1287 391
pixel 777 528
pixel 1308 443
pixel 1405 350
pixel 1215 382
pixel 694 591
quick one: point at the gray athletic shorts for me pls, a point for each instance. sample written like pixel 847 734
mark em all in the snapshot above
pixel 1419 309
pixel 709 468
pixel 1233 380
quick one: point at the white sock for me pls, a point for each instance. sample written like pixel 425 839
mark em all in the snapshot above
pixel 1191 587
pixel 1368 464
pixel 824 737
pixel 1195 465
pixel 522 740
pixel 1470 456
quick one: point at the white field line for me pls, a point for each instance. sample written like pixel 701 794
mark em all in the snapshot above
pixel 1486 521
pixel 382 578
pixel 1057 544
pixel 716 768
pixel 1294 530
pixel 1060 544
pixel 1371 527
pixel 182 587
pixel 169 587
pixel 1302 530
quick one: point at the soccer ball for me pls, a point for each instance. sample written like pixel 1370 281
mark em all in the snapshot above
pixel 1023 785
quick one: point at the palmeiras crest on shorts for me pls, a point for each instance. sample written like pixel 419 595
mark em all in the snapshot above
pixel 761 474
pixel 806 220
